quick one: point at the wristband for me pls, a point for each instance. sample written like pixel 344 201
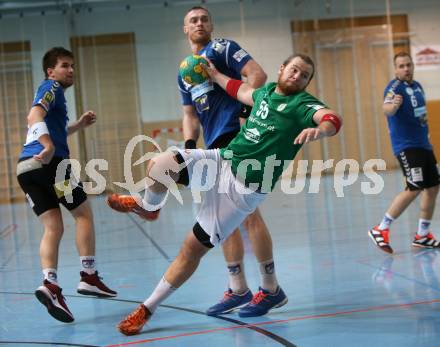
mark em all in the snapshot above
pixel 190 144
pixel 332 119
pixel 35 131
pixel 232 87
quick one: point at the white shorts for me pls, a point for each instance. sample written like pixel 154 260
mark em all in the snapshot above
pixel 227 201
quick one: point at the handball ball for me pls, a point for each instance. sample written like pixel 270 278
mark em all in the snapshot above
pixel 191 71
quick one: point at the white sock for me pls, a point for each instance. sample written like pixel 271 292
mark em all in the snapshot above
pixel 88 264
pixel 50 275
pixel 152 201
pixel 162 291
pixel 386 222
pixel 424 225
pixel 237 280
pixel 268 276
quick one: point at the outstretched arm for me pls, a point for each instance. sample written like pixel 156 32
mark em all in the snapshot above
pixel 235 88
pixel 329 123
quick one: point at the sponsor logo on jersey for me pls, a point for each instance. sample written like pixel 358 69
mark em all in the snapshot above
pixel 239 55
pixel 281 107
pixel 202 103
pixel 219 45
pixel 203 88
pixel 409 91
pixel 316 107
pixel 252 135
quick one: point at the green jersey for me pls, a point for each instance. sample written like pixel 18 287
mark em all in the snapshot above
pixel 265 142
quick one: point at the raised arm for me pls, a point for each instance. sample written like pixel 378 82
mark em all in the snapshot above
pixel 237 89
pixel 329 123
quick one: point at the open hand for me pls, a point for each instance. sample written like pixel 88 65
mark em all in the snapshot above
pixel 308 135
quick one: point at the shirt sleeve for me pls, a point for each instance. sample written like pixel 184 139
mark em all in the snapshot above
pixel 390 91
pixel 45 96
pixel 185 94
pixel 233 55
pixel 308 106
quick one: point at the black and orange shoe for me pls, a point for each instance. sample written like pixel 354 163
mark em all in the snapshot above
pixel 127 203
pixel 49 294
pixel 427 241
pixel 93 285
pixel 134 322
pixel 381 238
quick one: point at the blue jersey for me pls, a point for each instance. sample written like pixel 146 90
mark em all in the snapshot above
pixel 217 111
pixel 408 127
pixel 50 96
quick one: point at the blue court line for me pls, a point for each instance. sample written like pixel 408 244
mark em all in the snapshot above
pixel 155 244
pixel 264 332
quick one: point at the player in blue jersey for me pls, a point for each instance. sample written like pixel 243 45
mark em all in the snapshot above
pixel 46 147
pixel 405 108
pixel 208 106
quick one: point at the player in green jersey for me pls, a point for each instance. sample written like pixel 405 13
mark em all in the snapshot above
pixel 283 118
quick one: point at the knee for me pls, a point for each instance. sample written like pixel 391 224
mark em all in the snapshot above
pixel 54 229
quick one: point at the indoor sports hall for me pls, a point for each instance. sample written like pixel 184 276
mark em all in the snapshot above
pixel 342 290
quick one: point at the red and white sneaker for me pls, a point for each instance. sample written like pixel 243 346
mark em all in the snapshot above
pixel 135 321
pixel 381 238
pixel 92 285
pixel 127 203
pixel 427 241
pixel 49 294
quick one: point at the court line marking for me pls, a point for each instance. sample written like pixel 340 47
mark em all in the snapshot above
pixel 317 316
pixel 9 229
pixel 48 343
pixel 268 334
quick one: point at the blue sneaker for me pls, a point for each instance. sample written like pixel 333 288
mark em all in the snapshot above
pixel 262 302
pixel 230 302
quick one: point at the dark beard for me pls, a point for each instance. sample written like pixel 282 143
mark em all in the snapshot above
pixel 285 89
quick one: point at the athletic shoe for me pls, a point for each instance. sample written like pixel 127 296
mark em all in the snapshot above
pixel 381 238
pixel 49 294
pixel 133 323
pixel 263 302
pixel 427 241
pixel 230 302
pixel 92 285
pixel 127 203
